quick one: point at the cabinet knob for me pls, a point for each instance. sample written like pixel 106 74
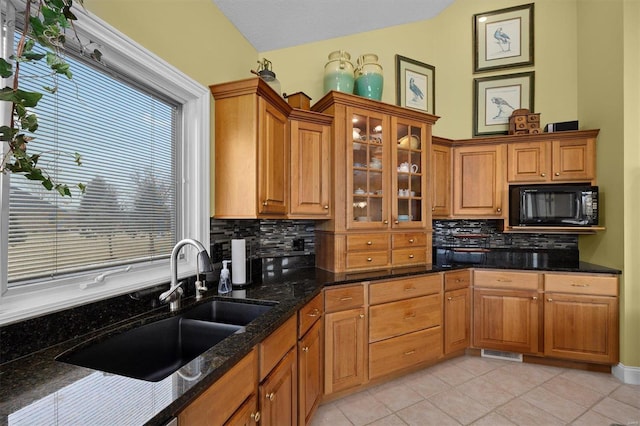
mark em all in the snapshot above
pixel 314 313
pixel 411 240
pixel 369 243
pixel 411 256
pixel 326 207
pixel 369 259
pixel 271 396
pixel 361 316
pixel 305 349
pixel 396 221
pixel 549 300
pixel 433 209
pixel 543 174
pixel 498 209
pixel 557 173
pixel 449 298
pixel 255 416
pixel 386 222
pixel 534 298
pixel 265 203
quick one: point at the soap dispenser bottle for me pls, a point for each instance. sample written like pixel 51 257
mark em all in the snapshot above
pixel 224 285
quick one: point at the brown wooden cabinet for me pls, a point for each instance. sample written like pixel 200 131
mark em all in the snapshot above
pixel 219 403
pixel 344 338
pixel 381 182
pixel 581 317
pixel 310 358
pixel 405 323
pixel 278 393
pixel 247 414
pixel 479 185
pixel 310 165
pixel 440 179
pixel 552 160
pixel 271 161
pixel 507 311
pixel 457 311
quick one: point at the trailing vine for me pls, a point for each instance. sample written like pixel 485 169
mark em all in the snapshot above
pixel 46 23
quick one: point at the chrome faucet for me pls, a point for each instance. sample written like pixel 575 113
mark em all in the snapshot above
pixel 175 291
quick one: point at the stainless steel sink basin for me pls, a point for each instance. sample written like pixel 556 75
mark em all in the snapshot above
pixel 227 312
pixel 154 351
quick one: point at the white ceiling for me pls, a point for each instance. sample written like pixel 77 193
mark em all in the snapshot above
pixel 276 24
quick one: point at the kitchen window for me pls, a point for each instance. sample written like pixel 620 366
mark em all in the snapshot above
pixel 142 129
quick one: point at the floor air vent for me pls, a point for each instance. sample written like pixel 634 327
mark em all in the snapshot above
pixel 506 356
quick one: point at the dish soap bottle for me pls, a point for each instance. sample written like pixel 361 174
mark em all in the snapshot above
pixel 224 285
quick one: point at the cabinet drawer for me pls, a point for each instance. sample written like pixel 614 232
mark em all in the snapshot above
pixel 409 256
pixel 457 279
pixel 405 351
pixel 506 279
pixel 408 239
pixel 367 242
pixel 405 316
pixel 367 259
pixel 582 284
pixel 221 400
pixel 309 314
pixel 275 347
pixel 342 298
pixel 389 291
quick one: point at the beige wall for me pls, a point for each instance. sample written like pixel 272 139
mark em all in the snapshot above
pixel 580 73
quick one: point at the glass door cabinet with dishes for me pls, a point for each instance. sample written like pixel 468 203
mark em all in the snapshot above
pixel 382 216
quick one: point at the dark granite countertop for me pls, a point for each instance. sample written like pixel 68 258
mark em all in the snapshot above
pixel 37 389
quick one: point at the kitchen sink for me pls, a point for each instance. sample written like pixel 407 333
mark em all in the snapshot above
pixel 227 312
pixel 154 351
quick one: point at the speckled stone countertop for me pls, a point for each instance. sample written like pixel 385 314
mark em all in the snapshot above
pixel 38 390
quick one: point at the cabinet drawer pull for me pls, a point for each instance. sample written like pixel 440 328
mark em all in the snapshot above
pixel 396 221
pixel 344 299
pixel 314 313
pixel 411 240
pixel 369 259
pixel 543 174
pixel 361 316
pixel 305 349
pixel 411 315
pixel 411 256
pixel 449 298
pixel 579 285
pixel 549 300
pixel 409 288
pixel 503 280
pixel 255 416
pixel 271 396
pixel 265 203
pixel 411 352
pixel 534 298
pixel 369 243
pixel 459 280
pixel 557 173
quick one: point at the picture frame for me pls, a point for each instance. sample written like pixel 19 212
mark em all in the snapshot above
pixel 495 98
pixel 503 38
pixel 415 85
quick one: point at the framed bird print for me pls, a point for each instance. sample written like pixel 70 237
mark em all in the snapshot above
pixel 415 85
pixel 503 38
pixel 495 98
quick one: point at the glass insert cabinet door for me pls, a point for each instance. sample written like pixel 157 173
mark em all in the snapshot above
pixel 409 171
pixel 367 183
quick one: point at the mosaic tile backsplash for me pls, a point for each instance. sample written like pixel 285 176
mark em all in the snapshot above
pixel 486 234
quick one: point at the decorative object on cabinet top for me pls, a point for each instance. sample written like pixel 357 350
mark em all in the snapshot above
pixel 415 84
pixel 265 72
pixel 544 136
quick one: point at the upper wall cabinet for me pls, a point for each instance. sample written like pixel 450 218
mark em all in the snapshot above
pixel 271 161
pixel 560 158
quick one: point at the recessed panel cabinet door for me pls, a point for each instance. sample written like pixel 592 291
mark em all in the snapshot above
pixel 506 320
pixel 457 320
pixel 278 394
pixel 344 350
pixel 310 368
pixel 273 158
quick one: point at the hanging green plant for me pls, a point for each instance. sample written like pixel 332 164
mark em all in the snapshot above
pixel 46 23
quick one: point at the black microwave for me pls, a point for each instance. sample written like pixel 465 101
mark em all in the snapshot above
pixel 553 205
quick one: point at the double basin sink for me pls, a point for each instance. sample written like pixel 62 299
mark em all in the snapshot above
pixel 154 351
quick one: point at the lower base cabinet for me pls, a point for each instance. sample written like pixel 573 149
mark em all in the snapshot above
pixel 247 414
pixel 278 394
pixel 310 368
pixel 398 353
pixel 344 350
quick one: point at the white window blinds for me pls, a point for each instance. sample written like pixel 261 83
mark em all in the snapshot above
pixel 127 139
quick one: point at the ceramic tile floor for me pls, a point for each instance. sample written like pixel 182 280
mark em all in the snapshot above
pixel 471 390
